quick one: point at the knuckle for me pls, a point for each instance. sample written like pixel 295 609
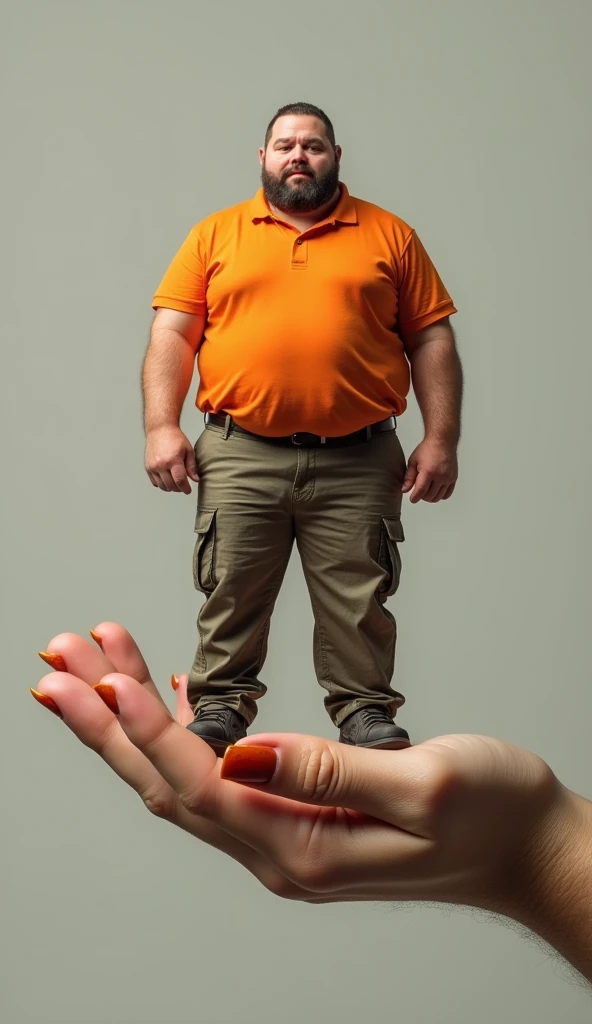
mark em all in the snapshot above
pixel 320 773
pixel 200 799
pixel 158 803
pixel 441 784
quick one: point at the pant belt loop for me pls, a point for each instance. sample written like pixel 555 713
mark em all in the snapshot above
pixel 368 433
pixel 227 427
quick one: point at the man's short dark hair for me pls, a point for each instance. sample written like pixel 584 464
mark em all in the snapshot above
pixel 306 110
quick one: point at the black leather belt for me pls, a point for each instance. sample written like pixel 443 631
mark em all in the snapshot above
pixel 304 440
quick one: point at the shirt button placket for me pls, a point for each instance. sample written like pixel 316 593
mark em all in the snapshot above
pixel 300 252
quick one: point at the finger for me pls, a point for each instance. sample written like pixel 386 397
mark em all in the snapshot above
pixel 114 650
pixel 183 712
pixel 380 783
pixel 167 480
pixel 96 727
pixel 179 475
pixel 432 491
pixel 440 494
pixel 123 655
pixel 191 466
pixel 410 477
pixel 188 764
pixel 153 479
pixel 77 655
pixel 422 483
pixel 449 491
pixel 318 848
pixel 192 768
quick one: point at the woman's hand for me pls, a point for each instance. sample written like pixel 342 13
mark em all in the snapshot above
pixel 455 819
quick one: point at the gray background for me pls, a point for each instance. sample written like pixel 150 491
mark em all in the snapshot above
pixel 124 124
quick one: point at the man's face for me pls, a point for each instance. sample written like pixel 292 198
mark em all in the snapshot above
pixel 300 167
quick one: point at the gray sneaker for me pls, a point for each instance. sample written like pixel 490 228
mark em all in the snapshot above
pixel 373 726
pixel 219 727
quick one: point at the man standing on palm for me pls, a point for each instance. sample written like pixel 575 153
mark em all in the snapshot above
pixel 311 312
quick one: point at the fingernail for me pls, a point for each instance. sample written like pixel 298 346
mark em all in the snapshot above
pixel 107 694
pixel 97 639
pixel 249 764
pixel 55 660
pixel 48 702
pixel 175 682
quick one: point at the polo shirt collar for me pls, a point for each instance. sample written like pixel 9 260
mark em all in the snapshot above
pixel 344 212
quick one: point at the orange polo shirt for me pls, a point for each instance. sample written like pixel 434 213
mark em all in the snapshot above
pixel 304 330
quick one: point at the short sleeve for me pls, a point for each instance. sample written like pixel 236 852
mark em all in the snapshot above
pixel 422 296
pixel 183 285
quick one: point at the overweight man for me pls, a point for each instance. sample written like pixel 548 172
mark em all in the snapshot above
pixel 310 313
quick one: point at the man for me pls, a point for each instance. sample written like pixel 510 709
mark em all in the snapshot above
pixel 310 312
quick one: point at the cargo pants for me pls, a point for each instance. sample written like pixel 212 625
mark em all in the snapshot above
pixel 342 508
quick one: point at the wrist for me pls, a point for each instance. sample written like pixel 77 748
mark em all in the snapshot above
pixel 160 426
pixel 551 890
pixel 443 438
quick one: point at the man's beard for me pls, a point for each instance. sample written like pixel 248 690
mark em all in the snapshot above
pixel 304 196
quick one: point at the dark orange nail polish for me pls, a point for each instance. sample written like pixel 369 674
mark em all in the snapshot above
pixel 249 764
pixel 48 702
pixel 107 694
pixel 174 682
pixel 97 639
pixel 55 660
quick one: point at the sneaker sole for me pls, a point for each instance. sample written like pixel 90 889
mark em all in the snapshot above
pixel 397 744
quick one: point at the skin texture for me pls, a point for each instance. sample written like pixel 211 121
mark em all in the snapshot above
pixel 458 819
pixel 298 155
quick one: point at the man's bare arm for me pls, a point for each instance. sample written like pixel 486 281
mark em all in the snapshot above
pixel 166 375
pixel 437 378
pixel 168 366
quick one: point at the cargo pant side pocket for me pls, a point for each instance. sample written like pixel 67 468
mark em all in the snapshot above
pixel 389 557
pixel 204 551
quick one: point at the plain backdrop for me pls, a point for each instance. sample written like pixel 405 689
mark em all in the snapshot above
pixel 123 124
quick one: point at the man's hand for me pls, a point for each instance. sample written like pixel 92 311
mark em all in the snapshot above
pixel 432 471
pixel 170 459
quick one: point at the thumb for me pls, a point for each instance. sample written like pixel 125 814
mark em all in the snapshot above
pixel 312 770
pixel 190 465
pixel 410 475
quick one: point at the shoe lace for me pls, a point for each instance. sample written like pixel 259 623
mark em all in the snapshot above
pixel 217 715
pixel 374 716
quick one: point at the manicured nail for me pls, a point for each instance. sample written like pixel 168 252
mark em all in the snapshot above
pixel 55 660
pixel 97 639
pixel 107 694
pixel 249 764
pixel 175 682
pixel 48 702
